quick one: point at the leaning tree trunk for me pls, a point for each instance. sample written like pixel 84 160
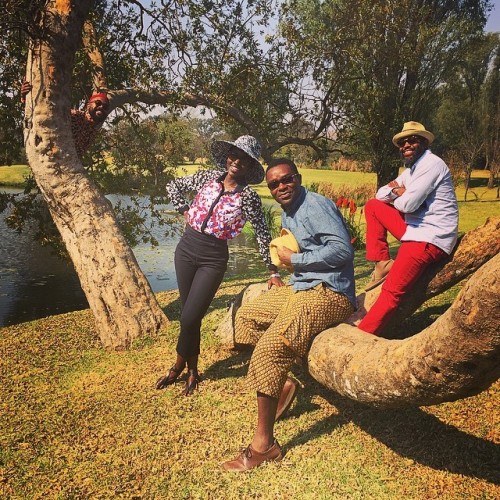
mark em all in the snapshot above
pixel 119 295
pixel 456 357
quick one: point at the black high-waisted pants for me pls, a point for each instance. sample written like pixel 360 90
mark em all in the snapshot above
pixel 200 264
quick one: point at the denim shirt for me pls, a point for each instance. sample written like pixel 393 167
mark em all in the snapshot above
pixel 326 254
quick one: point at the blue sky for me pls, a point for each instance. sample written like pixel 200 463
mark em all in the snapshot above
pixel 493 23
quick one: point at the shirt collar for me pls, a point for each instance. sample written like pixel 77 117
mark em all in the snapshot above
pixel 412 168
pixel 238 189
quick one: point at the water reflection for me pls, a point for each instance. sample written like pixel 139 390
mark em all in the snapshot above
pixel 34 283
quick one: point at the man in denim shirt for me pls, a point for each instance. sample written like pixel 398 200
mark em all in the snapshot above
pixel 282 323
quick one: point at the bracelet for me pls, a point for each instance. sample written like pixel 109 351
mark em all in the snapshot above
pixel 274 275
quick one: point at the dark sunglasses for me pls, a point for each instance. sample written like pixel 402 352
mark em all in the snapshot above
pixel 287 179
pixel 413 139
pixel 240 155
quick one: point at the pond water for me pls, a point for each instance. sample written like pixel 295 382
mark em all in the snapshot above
pixel 34 283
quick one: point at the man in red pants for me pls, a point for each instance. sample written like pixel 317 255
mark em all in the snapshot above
pixel 420 209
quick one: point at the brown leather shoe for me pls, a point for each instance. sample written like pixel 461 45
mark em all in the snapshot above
pixel 287 397
pixel 249 458
pixel 379 274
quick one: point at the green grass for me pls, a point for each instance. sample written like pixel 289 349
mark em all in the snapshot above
pixel 478 188
pixel 474 214
pixel 13 175
pixel 79 422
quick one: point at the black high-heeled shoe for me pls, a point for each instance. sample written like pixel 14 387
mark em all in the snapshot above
pixel 192 382
pixel 168 379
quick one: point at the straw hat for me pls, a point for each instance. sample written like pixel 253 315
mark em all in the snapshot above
pixel 413 128
pixel 247 144
pixel 285 239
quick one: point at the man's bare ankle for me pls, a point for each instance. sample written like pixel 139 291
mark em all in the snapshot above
pixel 261 446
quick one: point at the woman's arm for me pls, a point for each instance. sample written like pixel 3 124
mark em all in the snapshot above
pixel 252 211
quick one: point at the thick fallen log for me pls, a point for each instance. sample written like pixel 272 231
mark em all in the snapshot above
pixel 456 357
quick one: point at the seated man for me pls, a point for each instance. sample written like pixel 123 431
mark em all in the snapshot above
pixel 86 123
pixel 282 322
pixel 420 209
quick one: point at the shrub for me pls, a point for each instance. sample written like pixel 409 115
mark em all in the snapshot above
pixel 348 203
pixel 360 194
pixel 348 209
pixel 348 165
pixel 273 222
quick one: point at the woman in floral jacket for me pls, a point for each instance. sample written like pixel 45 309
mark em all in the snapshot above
pixel 223 203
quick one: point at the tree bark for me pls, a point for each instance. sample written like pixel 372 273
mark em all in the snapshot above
pixel 119 295
pixel 95 55
pixel 456 357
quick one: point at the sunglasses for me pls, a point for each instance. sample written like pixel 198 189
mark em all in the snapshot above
pixel 287 179
pixel 240 155
pixel 413 139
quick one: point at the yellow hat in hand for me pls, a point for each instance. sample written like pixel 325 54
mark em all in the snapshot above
pixel 285 239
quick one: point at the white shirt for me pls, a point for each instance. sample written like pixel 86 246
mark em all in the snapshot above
pixel 429 203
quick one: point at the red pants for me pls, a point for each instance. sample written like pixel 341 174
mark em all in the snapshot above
pixel 412 259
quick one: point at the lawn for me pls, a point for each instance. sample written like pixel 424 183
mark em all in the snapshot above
pixel 80 422
pixel 13 175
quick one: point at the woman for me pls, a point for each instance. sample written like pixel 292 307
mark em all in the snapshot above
pixel 223 203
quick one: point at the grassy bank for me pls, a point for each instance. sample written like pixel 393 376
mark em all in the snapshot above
pixel 78 422
pixel 13 175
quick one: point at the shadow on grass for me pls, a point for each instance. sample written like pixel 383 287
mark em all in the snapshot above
pixel 419 321
pixel 234 366
pixel 221 301
pixel 410 432
pixel 173 310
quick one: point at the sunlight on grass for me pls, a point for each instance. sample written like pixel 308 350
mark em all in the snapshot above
pixel 79 422
pixel 13 175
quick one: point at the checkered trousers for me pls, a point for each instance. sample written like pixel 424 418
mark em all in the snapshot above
pixel 281 324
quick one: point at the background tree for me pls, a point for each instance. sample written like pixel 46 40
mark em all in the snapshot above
pixel 145 154
pixel 491 106
pixel 465 119
pixel 383 61
pixel 119 295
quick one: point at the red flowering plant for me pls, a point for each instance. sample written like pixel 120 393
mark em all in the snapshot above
pixel 348 209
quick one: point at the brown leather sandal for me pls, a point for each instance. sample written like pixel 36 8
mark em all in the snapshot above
pixel 192 382
pixel 169 378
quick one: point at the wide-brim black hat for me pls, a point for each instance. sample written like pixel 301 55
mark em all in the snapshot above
pixel 249 145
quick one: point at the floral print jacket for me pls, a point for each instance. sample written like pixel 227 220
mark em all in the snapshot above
pixel 220 213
